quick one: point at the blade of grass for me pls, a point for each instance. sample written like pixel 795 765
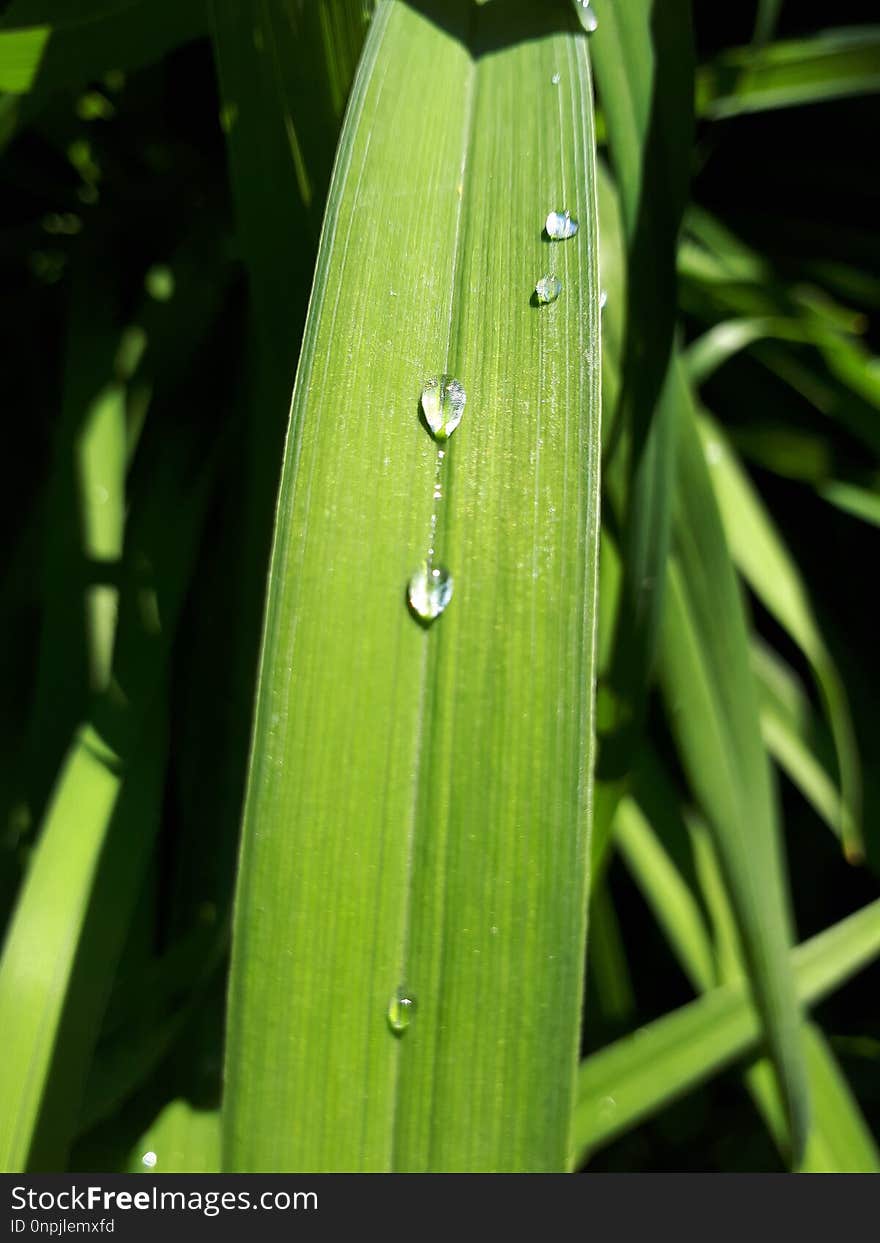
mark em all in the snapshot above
pixel 608 969
pixel 860 502
pixel 839 1138
pixel 841 1142
pixel 675 908
pixel 766 20
pixel 183 1140
pixel 412 873
pixel 73 44
pixel 713 709
pixel 634 1077
pixel 764 561
pixel 59 936
pixel 796 740
pixel 831 65
pixel 644 69
pixel 838 1132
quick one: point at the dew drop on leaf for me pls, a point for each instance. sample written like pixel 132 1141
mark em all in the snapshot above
pixel 559 225
pixel 548 289
pixel 589 21
pixel 443 401
pixel 400 1011
pixel 429 591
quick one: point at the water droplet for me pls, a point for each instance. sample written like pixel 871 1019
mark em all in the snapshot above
pixel 603 298
pixel 429 591
pixel 149 1159
pixel 607 1108
pixel 556 79
pixel 589 21
pixel 560 225
pixel 548 289
pixel 443 405
pixel 400 1011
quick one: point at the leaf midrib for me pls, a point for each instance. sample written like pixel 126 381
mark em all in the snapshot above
pixel 427 672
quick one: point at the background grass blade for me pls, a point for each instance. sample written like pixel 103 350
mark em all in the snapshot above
pixel 183 1139
pixel 628 1080
pixel 406 876
pixel 712 705
pixel 840 1141
pixel 68 44
pixel 765 563
pixel 780 75
pixel 766 18
pixel 644 69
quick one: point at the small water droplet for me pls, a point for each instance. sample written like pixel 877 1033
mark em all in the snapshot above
pixel 607 1108
pixel 400 1011
pixel 603 298
pixel 429 591
pixel 548 289
pixel 556 79
pixel 560 225
pixel 149 1159
pixel 443 401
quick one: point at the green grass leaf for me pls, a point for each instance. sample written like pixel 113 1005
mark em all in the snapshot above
pixel 712 705
pixel 767 566
pixel 629 1080
pixel 840 1140
pixel 831 65
pixel 44 46
pixel 452 859
pixel 795 738
pixel 183 1140
pixel 644 70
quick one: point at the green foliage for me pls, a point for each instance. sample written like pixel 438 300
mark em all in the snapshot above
pixel 224 870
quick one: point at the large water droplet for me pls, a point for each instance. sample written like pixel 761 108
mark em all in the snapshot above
pixel 400 1011
pixel 149 1159
pixel 560 225
pixel 443 401
pixel 589 21
pixel 548 289
pixel 429 591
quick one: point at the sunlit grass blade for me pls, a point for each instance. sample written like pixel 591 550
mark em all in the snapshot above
pixel 182 1140
pixel 57 959
pixel 830 65
pixel 629 1080
pixel 721 342
pixel 674 905
pixel 83 881
pixel 47 46
pixel 644 71
pixel 796 740
pixel 713 710
pixel 838 1132
pixel 764 561
pixel 840 1140
pixel 859 502
pixel 452 859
